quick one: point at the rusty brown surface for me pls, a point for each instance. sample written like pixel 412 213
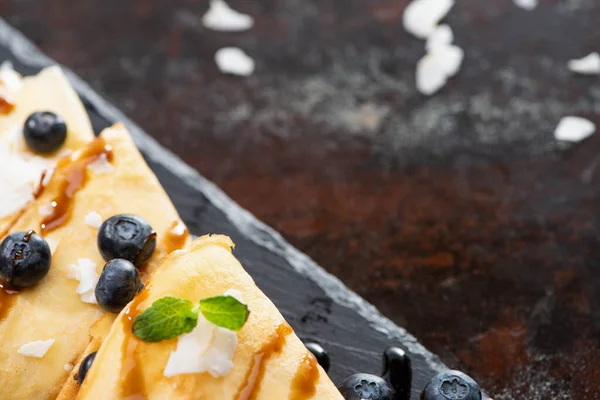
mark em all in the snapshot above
pixel 458 215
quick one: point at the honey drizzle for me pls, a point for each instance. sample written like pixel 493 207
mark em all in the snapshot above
pixel 174 241
pixel 133 387
pixel 6 104
pixel 6 301
pixel 304 384
pixel 72 180
pixel 251 386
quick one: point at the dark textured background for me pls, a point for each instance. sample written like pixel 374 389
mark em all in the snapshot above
pixel 457 215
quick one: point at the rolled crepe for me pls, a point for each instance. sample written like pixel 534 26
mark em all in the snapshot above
pixel 52 310
pixel 269 362
pixel 47 91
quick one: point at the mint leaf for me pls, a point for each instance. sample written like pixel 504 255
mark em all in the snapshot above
pixel 167 318
pixel 225 311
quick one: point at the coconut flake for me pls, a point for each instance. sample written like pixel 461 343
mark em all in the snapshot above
pixel 207 348
pixel 232 60
pixel 441 36
pixel 421 17
pixel 526 4
pixel 434 69
pixel 93 219
pixel 179 229
pixel 574 129
pixel 221 17
pixel 101 165
pixel 37 349
pixel 85 272
pixel 17 189
pixel 588 65
pixel 10 78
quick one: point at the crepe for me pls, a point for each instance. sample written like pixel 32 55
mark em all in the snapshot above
pixel 108 177
pixel 269 363
pixel 47 91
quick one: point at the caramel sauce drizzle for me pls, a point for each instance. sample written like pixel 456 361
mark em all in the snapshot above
pixel 255 375
pixel 173 239
pixel 6 301
pixel 6 104
pixel 304 384
pixel 71 181
pixel 133 385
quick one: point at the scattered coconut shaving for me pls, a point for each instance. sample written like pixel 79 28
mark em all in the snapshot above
pixel 574 129
pixel 221 17
pixel 232 60
pixel 526 4
pixel 434 69
pixel 588 65
pixel 421 17
pixel 441 36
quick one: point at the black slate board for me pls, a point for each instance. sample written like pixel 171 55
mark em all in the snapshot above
pixel 316 304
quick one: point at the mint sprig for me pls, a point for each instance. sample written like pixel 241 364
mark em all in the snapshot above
pixel 169 317
pixel 225 311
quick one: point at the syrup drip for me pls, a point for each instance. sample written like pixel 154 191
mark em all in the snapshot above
pixel 7 299
pixel 134 387
pixel 304 384
pixel 71 181
pixel 253 380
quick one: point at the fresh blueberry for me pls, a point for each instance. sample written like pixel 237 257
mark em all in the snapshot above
pixel 45 132
pixel 320 354
pixel 118 284
pixel 366 387
pixel 25 259
pixel 128 237
pixel 451 385
pixel 397 371
pixel 85 366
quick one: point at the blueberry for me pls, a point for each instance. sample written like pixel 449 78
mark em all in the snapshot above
pixel 85 366
pixel 366 387
pixel 320 354
pixel 25 259
pixel 451 385
pixel 118 284
pixel 397 371
pixel 45 132
pixel 128 237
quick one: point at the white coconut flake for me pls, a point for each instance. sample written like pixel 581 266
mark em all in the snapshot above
pixel 37 349
pixel 526 4
pixel 434 69
pixel 221 17
pixel 421 17
pixel 574 129
pixel 10 78
pixel 101 165
pixel 207 348
pixel 588 65
pixel 179 229
pixel 441 36
pixel 85 272
pixel 232 60
pixel 17 189
pixel 93 219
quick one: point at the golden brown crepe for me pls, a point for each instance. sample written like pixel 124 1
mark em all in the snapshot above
pixel 47 91
pixel 52 309
pixel 269 363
